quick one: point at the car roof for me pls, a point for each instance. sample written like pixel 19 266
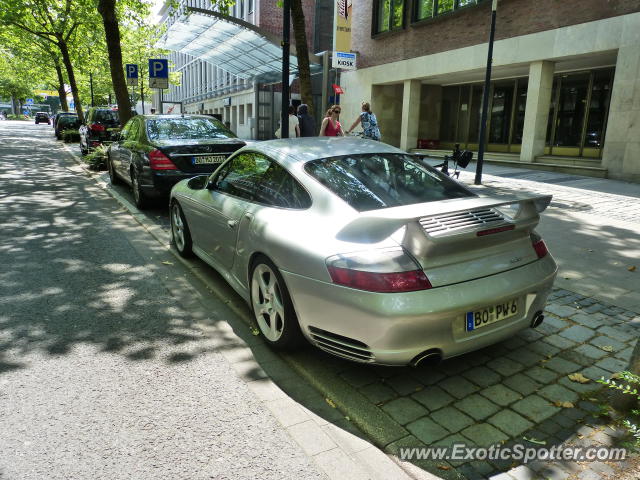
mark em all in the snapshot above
pixel 177 115
pixel 300 150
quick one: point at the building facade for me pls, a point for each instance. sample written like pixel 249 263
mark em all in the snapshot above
pixel 565 85
pixel 239 100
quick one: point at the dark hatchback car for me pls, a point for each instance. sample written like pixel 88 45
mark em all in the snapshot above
pixel 154 152
pixel 54 119
pixel 42 117
pixel 101 125
pixel 66 122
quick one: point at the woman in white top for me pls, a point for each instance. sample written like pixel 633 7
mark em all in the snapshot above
pixel 294 124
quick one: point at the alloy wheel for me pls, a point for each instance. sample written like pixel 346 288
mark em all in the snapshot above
pixel 268 305
pixel 177 227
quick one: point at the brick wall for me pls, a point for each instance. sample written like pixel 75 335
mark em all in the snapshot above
pixel 470 26
pixel 271 19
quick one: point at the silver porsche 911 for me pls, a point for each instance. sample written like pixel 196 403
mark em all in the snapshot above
pixel 365 251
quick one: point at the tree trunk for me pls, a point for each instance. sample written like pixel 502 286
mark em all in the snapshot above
pixel 107 9
pixel 302 52
pixel 61 92
pixel 624 402
pixel 66 59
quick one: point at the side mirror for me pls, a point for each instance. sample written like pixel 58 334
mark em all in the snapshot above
pixel 211 184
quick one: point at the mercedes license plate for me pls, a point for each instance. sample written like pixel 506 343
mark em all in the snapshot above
pixel 494 313
pixel 208 159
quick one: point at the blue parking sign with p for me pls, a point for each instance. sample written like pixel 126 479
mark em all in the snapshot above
pixel 158 73
pixel 132 70
pixel 132 74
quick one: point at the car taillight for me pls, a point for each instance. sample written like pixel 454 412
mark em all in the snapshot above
pixel 159 161
pixel 538 245
pixel 96 127
pixel 382 270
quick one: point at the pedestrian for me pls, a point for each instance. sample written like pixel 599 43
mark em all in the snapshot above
pixel 294 124
pixel 369 123
pixel 306 121
pixel 330 125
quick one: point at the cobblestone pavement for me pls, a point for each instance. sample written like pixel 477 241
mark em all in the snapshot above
pixel 509 391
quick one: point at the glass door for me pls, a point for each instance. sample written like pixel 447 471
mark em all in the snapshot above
pixel 500 116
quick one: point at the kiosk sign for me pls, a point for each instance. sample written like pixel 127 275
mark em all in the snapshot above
pixel 344 60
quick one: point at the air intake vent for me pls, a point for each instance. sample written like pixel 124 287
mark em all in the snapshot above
pixel 443 224
pixel 341 346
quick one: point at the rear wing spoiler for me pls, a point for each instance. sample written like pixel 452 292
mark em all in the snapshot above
pixel 375 226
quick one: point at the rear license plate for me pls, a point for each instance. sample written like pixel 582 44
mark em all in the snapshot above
pixel 208 159
pixel 488 315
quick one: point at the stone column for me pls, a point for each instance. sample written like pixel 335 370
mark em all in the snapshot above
pixel 536 113
pixel 410 114
pixel 621 154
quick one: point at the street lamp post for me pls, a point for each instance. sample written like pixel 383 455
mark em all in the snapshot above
pixel 485 96
pixel 286 21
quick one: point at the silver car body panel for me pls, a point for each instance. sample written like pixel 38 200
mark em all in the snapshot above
pixel 467 271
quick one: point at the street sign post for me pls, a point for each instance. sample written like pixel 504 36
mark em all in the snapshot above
pixel 132 74
pixel 158 73
pixel 344 60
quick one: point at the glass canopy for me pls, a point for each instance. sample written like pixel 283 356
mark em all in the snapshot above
pixel 231 44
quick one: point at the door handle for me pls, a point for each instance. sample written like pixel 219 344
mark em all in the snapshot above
pixel 232 223
pixel 248 216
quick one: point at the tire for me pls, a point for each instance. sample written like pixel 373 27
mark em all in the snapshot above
pixel 113 176
pixel 139 197
pixel 272 307
pixel 180 234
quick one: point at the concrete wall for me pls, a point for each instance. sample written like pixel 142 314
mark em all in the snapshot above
pixel 430 110
pixel 388 110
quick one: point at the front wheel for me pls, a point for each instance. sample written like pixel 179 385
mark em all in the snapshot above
pixel 180 231
pixel 272 306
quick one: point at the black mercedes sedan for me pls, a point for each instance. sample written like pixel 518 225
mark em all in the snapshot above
pixel 154 152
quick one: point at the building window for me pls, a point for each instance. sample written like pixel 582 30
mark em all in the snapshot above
pixel 431 8
pixel 241 115
pixel 389 15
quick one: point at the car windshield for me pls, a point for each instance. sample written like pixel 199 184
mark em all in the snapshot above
pixel 383 180
pixel 107 116
pixel 186 128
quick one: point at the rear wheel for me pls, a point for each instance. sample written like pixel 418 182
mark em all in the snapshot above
pixel 272 306
pixel 138 195
pixel 180 231
pixel 113 176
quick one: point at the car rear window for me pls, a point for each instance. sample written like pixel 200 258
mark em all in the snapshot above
pixel 186 128
pixel 107 116
pixel 376 181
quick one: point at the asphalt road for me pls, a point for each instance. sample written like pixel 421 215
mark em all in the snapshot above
pixel 105 369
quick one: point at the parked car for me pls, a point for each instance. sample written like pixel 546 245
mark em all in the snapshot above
pixel 154 152
pixel 66 122
pixel 102 124
pixel 55 118
pixel 42 117
pixel 365 251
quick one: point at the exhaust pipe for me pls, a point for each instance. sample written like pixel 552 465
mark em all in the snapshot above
pixel 431 357
pixel 537 319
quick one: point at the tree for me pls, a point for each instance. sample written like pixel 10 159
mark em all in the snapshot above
pixel 302 53
pixel 107 9
pixel 55 21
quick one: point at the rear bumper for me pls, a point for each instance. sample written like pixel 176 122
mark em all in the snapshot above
pixel 392 329
pixel 162 183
